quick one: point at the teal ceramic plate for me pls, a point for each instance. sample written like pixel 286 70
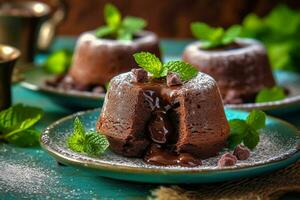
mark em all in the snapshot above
pixel 278 148
pixel 34 79
pixel 290 81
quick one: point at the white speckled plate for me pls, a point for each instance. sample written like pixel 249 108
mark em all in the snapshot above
pixel 278 148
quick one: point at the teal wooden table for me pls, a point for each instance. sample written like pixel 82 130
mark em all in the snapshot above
pixel 31 173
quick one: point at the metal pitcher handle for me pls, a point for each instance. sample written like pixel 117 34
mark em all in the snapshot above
pixel 48 28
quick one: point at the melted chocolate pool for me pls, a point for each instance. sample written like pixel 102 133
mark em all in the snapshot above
pixel 161 129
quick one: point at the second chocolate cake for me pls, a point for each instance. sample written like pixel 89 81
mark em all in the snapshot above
pixel 165 121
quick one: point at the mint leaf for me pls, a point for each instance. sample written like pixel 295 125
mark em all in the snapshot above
pixel 16 123
pixel 58 62
pixel 96 143
pixel 104 31
pixel 185 70
pixel 256 119
pixel 112 16
pixel 214 37
pixel 231 34
pixel 275 93
pixel 251 139
pixel 246 131
pixel 133 24
pixel 201 30
pixel 234 140
pixel 116 27
pixel 91 143
pixel 77 140
pixel 149 62
pixel 26 138
pixel 238 126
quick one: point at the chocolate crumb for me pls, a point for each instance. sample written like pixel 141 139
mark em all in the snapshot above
pixel 227 159
pixel 241 152
pixel 139 75
pixel 173 79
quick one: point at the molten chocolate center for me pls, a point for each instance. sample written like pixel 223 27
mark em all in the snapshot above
pixel 161 130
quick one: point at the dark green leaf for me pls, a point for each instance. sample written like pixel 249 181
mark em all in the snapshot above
pixel 234 140
pixel 256 119
pixel 18 118
pixel 96 143
pixel 112 16
pixel 149 62
pixel 270 94
pixel 251 139
pixel 25 138
pixel 238 126
pixel 185 70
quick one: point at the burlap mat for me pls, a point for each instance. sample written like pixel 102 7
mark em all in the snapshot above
pixel 267 187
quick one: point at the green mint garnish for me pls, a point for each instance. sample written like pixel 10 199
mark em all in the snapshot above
pixel 16 125
pixel 275 93
pixel 116 27
pixel 153 65
pixel 91 143
pixel 247 131
pixel 58 62
pixel 214 37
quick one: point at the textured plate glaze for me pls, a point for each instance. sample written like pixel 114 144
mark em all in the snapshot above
pixel 289 80
pixel 278 148
pixel 34 79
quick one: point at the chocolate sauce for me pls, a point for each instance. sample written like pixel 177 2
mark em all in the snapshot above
pixel 159 156
pixel 160 127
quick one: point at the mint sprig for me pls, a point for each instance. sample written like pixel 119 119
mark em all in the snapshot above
pixel 58 62
pixel 247 131
pixel 214 37
pixel 16 125
pixel 116 27
pixel 275 93
pixel 91 143
pixel 153 65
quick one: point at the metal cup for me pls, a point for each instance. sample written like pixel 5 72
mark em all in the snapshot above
pixel 8 58
pixel 28 26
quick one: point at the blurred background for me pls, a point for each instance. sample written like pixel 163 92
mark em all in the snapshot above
pixel 168 18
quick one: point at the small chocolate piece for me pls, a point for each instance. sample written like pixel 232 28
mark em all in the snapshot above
pixel 139 75
pixel 241 152
pixel 173 79
pixel 159 127
pixel 227 159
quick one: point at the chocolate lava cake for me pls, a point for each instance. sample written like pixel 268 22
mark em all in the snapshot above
pixel 164 121
pixel 97 60
pixel 241 69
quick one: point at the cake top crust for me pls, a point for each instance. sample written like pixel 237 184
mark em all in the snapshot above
pixel 143 37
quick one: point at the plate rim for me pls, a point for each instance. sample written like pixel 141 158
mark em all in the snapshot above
pixel 71 93
pixel 120 168
pixel 266 106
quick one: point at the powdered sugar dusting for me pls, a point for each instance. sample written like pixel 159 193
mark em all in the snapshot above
pixel 26 176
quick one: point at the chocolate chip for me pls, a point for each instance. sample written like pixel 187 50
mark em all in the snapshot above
pixel 227 160
pixel 139 75
pixel 173 79
pixel 241 152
